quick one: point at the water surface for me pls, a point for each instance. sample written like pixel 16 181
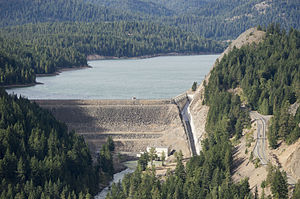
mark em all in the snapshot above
pixel 118 177
pixel 153 78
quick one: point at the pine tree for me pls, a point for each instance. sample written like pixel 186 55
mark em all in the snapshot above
pixel 279 186
pixel 296 193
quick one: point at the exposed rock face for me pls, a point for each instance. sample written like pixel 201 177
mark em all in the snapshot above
pixel 133 124
pixel 198 111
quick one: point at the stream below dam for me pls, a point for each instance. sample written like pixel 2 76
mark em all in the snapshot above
pixel 131 166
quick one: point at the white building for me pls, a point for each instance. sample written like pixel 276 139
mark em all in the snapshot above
pixel 160 150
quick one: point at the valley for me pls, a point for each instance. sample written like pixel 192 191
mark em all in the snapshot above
pixel 153 95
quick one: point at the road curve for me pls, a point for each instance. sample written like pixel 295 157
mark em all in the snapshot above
pixel 260 145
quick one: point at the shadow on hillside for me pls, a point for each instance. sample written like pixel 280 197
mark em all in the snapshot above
pixel 236 161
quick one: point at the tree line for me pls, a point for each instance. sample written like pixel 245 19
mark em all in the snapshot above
pixel 43 48
pixel 39 158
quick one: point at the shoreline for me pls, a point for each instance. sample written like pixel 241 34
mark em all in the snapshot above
pixel 62 69
pixel 95 57
pixel 20 85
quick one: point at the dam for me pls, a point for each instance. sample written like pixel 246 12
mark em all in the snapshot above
pixel 133 124
pixel 96 102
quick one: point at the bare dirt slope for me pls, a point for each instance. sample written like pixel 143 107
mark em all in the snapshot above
pixel 197 109
pixel 288 157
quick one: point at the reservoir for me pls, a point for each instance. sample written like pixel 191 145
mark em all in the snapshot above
pixel 153 78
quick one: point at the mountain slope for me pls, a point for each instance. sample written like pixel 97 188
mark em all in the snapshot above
pixel 216 19
pixel 136 7
pixel 39 158
pixel 16 12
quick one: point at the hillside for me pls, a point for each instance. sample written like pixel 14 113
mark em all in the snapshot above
pixel 17 12
pixel 216 19
pixel 247 63
pixel 45 47
pixel 198 109
pixel 39 158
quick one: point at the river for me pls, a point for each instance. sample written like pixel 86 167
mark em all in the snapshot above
pixel 131 166
pixel 152 78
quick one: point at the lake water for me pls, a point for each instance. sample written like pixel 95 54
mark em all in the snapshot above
pixel 153 78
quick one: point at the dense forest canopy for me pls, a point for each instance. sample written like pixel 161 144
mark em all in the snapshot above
pixel 217 19
pixel 17 12
pixel 43 48
pixel 40 159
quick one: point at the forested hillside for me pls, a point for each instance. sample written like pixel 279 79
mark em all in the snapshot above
pixel 40 159
pixel 16 12
pixel 226 19
pixel 43 48
pixel 265 71
pixel 216 19
pixel 269 75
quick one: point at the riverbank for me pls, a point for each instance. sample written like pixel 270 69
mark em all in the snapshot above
pixel 95 57
pixel 129 167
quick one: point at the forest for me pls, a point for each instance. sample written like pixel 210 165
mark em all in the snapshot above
pixel 39 158
pixel 43 48
pixel 269 76
pixel 215 19
pixel 209 174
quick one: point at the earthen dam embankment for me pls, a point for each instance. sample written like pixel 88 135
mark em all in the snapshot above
pixel 133 124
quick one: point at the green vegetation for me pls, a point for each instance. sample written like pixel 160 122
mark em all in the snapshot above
pixel 40 159
pixel 43 48
pixel 278 181
pixel 269 75
pixel 194 86
pixel 205 176
pixel 296 193
pixel 17 12
pixel 217 19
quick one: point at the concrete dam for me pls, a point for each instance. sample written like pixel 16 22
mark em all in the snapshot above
pixel 133 124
